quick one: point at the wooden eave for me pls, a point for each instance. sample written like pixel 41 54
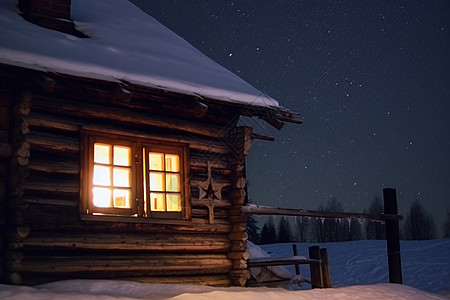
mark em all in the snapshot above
pixel 137 96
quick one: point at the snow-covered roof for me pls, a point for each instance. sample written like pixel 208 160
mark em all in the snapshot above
pixel 124 44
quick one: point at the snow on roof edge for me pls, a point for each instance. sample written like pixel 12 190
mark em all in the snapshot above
pixel 173 65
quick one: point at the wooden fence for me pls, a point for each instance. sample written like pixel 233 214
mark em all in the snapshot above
pixel 390 217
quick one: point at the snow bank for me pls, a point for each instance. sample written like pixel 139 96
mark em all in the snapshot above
pixel 426 265
pixel 106 289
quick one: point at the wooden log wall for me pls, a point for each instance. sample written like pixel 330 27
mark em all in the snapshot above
pixel 5 154
pixel 46 239
pixel 238 236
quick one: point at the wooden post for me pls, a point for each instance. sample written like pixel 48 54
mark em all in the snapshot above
pixel 326 277
pixel 315 269
pixel 392 237
pixel 297 266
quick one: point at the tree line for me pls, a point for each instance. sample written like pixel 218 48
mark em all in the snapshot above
pixel 417 225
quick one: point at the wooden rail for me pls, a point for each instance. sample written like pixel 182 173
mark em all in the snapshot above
pixel 318 265
pixel 280 261
pixel 389 216
pixel 269 210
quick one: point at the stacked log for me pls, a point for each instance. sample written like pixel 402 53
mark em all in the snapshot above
pixel 238 236
pixel 49 237
pixel 16 227
pixel 6 151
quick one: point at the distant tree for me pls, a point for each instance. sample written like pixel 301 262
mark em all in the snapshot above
pixel 316 230
pixel 330 230
pixel 284 231
pixel 334 230
pixel 252 227
pixel 268 232
pixel 446 226
pixel 375 230
pixel 419 224
pixel 355 232
pixel 301 227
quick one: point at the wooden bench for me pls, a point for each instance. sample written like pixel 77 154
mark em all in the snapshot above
pixel 318 265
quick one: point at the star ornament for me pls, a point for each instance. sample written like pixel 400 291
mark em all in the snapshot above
pixel 210 190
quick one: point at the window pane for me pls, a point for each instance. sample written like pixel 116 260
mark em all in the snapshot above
pixel 156 161
pixel 172 163
pixel 122 155
pixel 157 202
pixel 102 153
pixel 156 181
pixel 121 177
pixel 173 202
pixel 102 197
pixel 102 175
pixel 172 182
pixel 121 198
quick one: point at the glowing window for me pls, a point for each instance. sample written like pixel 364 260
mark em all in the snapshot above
pixel 134 178
pixel 165 186
pixel 111 183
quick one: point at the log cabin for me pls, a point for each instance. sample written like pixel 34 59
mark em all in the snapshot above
pixel 121 155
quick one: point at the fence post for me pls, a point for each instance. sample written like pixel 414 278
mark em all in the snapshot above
pixel 392 237
pixel 325 265
pixel 297 266
pixel 315 269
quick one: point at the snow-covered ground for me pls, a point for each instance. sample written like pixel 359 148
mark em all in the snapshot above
pixel 425 264
pixel 358 269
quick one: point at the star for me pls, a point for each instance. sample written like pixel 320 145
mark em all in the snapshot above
pixel 210 190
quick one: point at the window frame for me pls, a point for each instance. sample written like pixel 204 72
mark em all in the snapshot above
pixel 137 212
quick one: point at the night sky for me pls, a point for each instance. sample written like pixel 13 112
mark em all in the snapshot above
pixel 371 80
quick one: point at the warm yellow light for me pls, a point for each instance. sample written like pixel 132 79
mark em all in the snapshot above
pixel 156 161
pixel 121 198
pixel 173 202
pixel 122 155
pixel 102 153
pixel 172 163
pixel 172 182
pixel 102 175
pixel 102 197
pixel 157 202
pixel 121 177
pixel 156 181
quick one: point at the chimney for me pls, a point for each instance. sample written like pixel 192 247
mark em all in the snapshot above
pixel 56 9
pixel 51 14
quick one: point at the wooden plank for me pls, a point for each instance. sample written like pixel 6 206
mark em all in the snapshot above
pixel 54 186
pixel 55 166
pixel 4 118
pixel 170 242
pixel 53 143
pixel 5 98
pixel 51 122
pixel 113 265
pixel 208 280
pixel 273 261
pixel 51 217
pixel 4 135
pixel 325 265
pixel 207 147
pixel 315 269
pixel 6 150
pixel 58 201
pixel 89 110
pixel 268 210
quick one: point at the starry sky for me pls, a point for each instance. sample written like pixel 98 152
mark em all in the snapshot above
pixel 371 80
